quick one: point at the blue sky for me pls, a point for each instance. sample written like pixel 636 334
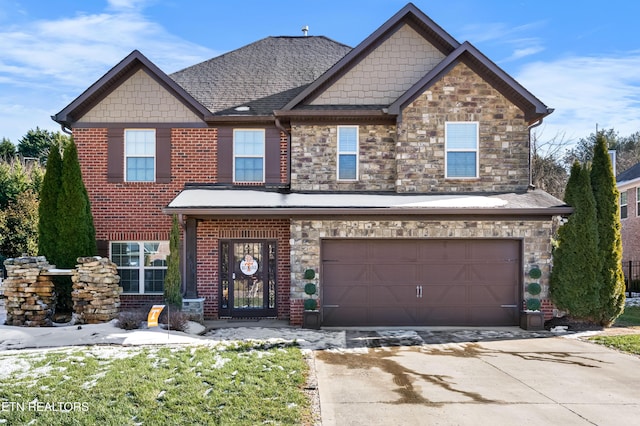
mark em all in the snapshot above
pixel 580 57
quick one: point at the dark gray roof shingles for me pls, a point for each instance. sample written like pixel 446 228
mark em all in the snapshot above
pixel 264 75
pixel 630 174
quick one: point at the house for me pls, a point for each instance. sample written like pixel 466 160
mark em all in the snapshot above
pixel 397 170
pixel 628 183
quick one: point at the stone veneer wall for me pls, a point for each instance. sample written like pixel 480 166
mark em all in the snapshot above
pixel 306 236
pixel 461 95
pixel 31 296
pixel 96 290
pixel 314 158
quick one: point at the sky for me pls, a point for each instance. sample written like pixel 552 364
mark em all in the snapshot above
pixel 580 57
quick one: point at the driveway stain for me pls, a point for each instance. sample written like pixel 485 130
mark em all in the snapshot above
pixel 403 377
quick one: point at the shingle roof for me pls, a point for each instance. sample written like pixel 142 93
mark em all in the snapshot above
pixel 264 75
pixel 629 174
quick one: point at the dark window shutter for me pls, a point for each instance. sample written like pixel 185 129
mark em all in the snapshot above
pixel 163 155
pixel 103 248
pixel 225 155
pixel 115 155
pixel 272 155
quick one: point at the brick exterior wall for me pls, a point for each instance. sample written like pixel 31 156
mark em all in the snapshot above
pixel 630 227
pixel 306 236
pixel 210 232
pixel 314 158
pixel 461 95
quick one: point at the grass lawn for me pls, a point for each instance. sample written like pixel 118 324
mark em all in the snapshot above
pixel 180 385
pixel 630 317
pixel 629 342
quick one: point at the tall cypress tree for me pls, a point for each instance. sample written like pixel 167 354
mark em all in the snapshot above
pixel 574 285
pixel 173 279
pixel 606 196
pixel 48 208
pixel 76 234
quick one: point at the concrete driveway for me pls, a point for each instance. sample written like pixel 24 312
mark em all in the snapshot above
pixel 519 381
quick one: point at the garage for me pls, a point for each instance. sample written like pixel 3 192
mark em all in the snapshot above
pixel 426 282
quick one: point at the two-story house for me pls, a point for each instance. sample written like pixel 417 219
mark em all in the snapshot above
pixel 397 170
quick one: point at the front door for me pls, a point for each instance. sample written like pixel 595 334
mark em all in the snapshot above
pixel 248 279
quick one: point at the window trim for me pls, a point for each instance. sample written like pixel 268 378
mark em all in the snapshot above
pixel 625 205
pixel 447 150
pixel 263 156
pixel 355 153
pixel 154 156
pixel 141 268
pixel 638 201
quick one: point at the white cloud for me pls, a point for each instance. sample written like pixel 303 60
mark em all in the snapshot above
pixel 47 63
pixel 507 36
pixel 586 91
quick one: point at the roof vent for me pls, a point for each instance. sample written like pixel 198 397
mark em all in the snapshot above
pixel 305 30
pixel 242 108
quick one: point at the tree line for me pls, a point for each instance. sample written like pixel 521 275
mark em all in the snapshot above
pixel 551 160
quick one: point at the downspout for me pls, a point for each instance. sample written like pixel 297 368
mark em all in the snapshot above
pixel 280 127
pixel 533 126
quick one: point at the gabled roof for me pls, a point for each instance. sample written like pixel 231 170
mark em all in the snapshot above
pixel 533 108
pixel 630 174
pixel 410 15
pixel 264 75
pixel 113 78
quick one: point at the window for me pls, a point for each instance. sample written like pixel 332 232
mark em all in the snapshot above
pixel 142 265
pixel 637 201
pixel 140 155
pixel 623 205
pixel 248 155
pixel 347 152
pixel 461 145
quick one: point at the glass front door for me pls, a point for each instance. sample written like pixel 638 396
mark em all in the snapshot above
pixel 248 278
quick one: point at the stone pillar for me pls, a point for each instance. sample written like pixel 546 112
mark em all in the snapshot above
pixel 29 297
pixel 96 290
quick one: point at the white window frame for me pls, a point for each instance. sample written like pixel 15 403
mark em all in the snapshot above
pixel 447 150
pixel 623 194
pixel 638 201
pixel 141 267
pixel 262 155
pixel 126 156
pixel 355 153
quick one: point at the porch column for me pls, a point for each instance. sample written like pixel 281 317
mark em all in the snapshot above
pixel 191 250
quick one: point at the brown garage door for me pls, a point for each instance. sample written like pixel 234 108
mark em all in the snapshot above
pixel 420 282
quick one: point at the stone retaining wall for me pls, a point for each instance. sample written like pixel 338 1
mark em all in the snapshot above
pixel 30 293
pixel 29 296
pixel 96 290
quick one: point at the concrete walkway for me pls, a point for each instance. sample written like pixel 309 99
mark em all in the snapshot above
pixel 531 381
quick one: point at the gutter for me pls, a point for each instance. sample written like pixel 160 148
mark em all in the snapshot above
pixel 365 211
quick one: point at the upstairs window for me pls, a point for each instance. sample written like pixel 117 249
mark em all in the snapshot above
pixel 248 156
pixel 347 152
pixel 461 149
pixel 142 265
pixel 623 205
pixel 140 155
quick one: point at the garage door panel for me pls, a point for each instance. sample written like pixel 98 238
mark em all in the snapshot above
pixel 393 274
pixel 487 295
pixel 448 295
pixel 345 273
pixel 397 295
pixel 463 282
pixel 392 251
